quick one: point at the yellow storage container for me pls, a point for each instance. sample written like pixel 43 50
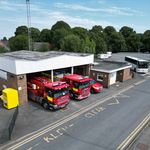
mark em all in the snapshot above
pixel 10 98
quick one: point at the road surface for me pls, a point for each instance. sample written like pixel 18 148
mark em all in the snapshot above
pixel 102 127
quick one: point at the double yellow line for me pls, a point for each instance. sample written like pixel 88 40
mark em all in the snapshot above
pixel 32 136
pixel 134 134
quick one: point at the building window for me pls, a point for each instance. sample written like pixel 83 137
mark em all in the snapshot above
pixel 3 75
pixel 100 77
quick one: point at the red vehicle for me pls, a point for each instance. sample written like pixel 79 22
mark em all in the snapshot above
pixel 51 95
pixel 96 87
pixel 80 86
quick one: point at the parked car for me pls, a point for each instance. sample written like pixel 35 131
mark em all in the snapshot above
pixel 95 87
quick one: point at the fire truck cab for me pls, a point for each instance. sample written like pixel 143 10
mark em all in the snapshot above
pixel 51 95
pixel 80 86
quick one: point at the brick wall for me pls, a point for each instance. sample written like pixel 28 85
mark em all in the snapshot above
pixel 127 74
pixel 16 82
pixel 105 81
pixel 22 88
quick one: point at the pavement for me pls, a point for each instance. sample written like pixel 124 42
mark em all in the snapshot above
pixel 33 117
pixel 143 141
pixel 5 119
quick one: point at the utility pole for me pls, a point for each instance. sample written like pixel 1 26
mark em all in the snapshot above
pixel 29 25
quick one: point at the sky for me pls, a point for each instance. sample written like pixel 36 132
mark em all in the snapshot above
pixel 83 13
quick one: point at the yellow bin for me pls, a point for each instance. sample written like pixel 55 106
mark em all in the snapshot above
pixel 10 98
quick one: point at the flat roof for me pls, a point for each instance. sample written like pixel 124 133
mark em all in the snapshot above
pixel 121 56
pixel 24 62
pixel 35 56
pixel 138 59
pixel 110 66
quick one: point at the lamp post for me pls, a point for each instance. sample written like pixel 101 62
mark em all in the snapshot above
pixel 29 25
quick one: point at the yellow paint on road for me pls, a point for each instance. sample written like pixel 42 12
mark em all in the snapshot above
pixel 132 136
pixel 66 119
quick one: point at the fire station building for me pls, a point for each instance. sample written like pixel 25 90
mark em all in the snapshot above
pixel 15 67
pixel 110 72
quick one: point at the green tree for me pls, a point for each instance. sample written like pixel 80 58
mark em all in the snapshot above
pixel 133 42
pixel 21 30
pixel 146 40
pixel 96 34
pixel 126 31
pixel 45 35
pixel 19 42
pixel 97 28
pixel 81 32
pixel 115 41
pixel 88 46
pixel 60 25
pixel 35 34
pixel 58 36
pixel 109 30
pixel 58 32
pixel 71 43
pixel 2 49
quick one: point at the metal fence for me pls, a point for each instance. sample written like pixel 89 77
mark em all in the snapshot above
pixel 5 134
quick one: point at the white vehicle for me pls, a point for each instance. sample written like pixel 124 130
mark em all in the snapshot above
pixel 138 65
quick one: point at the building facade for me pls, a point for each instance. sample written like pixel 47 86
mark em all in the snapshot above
pixel 110 72
pixel 15 67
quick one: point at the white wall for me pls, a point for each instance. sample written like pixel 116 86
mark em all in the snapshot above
pixel 64 61
pixel 7 65
pixel 112 77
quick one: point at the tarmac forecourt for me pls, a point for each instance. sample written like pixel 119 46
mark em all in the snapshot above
pixel 32 136
pixel 134 134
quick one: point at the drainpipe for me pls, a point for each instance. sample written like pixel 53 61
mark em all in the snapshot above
pixel 52 76
pixel 72 70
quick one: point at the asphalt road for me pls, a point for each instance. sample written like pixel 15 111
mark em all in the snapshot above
pixel 102 127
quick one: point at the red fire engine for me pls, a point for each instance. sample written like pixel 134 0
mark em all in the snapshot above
pixel 80 86
pixel 51 95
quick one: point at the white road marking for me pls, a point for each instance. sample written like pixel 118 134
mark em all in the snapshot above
pixel 71 125
pixel 94 112
pixel 30 148
pixel 115 102
pixel 41 132
pixel 139 82
pixel 57 133
pixel 122 96
pixel 33 146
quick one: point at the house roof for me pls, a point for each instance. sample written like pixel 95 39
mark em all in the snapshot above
pixel 110 66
